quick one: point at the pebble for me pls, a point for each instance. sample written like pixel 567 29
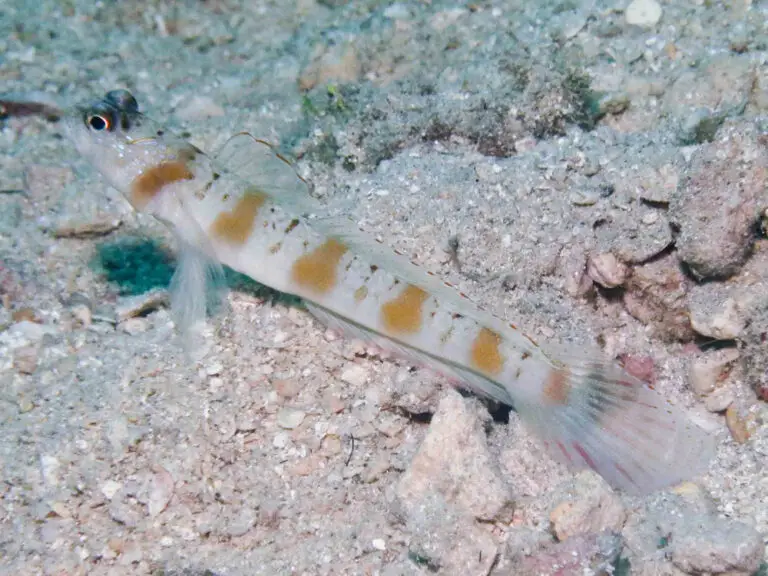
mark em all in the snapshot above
pixel 25 405
pixel 586 554
pixel 716 205
pixel 454 461
pixel 631 240
pixel 641 367
pixel 25 332
pixel 586 505
pixel 397 11
pixel 82 315
pixel 445 540
pixel 122 511
pixel 737 425
pixel 707 371
pixel 379 544
pixel 132 554
pixel 110 488
pixel 645 13
pixel 24 315
pixel 717 546
pixel 719 400
pixel 290 418
pixel 90 229
pixel 45 182
pixel 713 317
pixel 355 374
pixel 656 294
pixel 286 388
pixel 198 108
pixel 140 305
pixel 338 63
pixel 606 270
pixel 613 104
pixel 242 521
pixel 160 491
pixel 25 359
pixel 134 326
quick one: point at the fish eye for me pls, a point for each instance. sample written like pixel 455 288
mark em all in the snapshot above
pixel 98 122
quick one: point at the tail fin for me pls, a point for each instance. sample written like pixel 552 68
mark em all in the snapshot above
pixel 592 414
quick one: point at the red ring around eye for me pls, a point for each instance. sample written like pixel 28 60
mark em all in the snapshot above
pixel 99 123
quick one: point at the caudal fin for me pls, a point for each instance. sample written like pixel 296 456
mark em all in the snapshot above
pixel 592 414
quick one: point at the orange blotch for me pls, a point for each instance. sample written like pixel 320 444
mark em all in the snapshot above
pixel 235 226
pixel 316 271
pixel 403 314
pixel 147 185
pixel 557 388
pixel 485 352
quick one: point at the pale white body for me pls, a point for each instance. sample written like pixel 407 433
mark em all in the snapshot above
pixel 247 209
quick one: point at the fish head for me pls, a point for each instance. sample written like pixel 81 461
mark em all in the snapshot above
pixel 135 154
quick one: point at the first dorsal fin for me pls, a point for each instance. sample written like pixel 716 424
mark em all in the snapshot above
pixel 260 164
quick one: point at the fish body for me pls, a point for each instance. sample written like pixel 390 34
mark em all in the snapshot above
pixel 246 208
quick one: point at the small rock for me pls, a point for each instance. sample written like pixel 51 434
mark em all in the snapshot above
pixel 379 544
pixel 397 11
pixel 377 469
pixel 290 418
pixel 641 367
pixel 625 234
pixel 442 540
pixel 586 554
pixel 355 374
pixel 715 317
pixel 61 510
pixel 132 554
pixel 606 270
pixel 454 461
pixel 82 315
pixel 24 315
pixel 51 469
pixel 160 492
pixel 10 218
pixel 243 521
pixel 707 371
pixel 141 305
pixel 338 63
pixel 656 295
pixel 26 405
pixel 717 547
pixel 91 229
pixel 737 425
pixel 587 506
pixel 571 23
pixel 123 511
pixel 25 359
pixel 719 400
pixel 584 196
pixel 658 185
pixel 110 488
pixel 717 205
pixel 644 13
pixel 701 126
pixel 286 388
pixel 304 466
pixel 613 104
pixel 198 108
pixel 45 182
pixel 134 326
